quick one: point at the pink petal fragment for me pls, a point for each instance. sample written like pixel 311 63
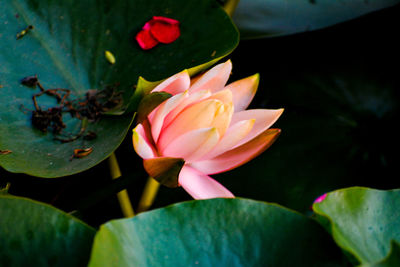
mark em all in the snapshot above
pixel 200 115
pixel 165 20
pixel 158 115
pixel 239 155
pixel 214 79
pixel 234 134
pixel 145 40
pixel 141 144
pixel 192 145
pixel 265 118
pixel 158 29
pixel 243 91
pixel 175 84
pixel 201 186
pixel 165 30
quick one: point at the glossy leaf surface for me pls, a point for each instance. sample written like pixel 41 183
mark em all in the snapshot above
pixel 216 232
pixel 363 221
pixel 36 234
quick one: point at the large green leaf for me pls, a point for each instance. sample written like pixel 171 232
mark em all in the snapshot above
pixel 393 259
pixel 66 49
pixel 362 221
pixel 36 234
pixel 266 18
pixel 216 232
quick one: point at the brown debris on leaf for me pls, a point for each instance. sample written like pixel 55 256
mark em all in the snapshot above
pixel 52 117
pixel 90 108
pixel 5 152
pixel 81 152
pixel 30 81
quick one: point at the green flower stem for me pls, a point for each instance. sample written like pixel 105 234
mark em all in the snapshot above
pixel 149 194
pixel 230 6
pixel 123 196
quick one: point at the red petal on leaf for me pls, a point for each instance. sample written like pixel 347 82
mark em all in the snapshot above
pixel 165 30
pixel 165 20
pixel 145 39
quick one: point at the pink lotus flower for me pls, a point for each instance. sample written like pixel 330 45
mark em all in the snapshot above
pixel 206 124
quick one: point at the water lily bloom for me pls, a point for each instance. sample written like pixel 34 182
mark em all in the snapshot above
pixel 206 124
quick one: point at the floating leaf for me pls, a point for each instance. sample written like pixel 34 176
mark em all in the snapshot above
pixel 36 234
pixel 65 48
pixel 393 259
pixel 215 232
pixel 363 221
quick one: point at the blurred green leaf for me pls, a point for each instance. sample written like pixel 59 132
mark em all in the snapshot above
pixel 65 49
pixel 216 232
pixel 36 234
pixel 363 221
pixel 267 18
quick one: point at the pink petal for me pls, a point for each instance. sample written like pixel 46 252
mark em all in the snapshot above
pixel 158 115
pixel 175 84
pixel 192 145
pixel 223 118
pixel 190 100
pixel 201 186
pixel 239 155
pixel 265 118
pixel 165 20
pixel 165 30
pixel 141 144
pixel 225 96
pixel 145 40
pixel 243 91
pixel 234 134
pixel 200 115
pixel 214 79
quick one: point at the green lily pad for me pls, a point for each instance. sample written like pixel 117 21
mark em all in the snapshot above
pixel 216 232
pixel 36 234
pixel 65 48
pixel 268 18
pixel 362 221
pixel 393 259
